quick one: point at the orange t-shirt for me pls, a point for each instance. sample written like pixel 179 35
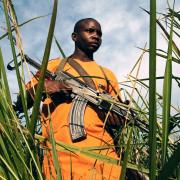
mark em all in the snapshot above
pixel 83 167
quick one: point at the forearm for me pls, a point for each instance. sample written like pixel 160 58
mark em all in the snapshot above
pixel 52 87
pixel 29 99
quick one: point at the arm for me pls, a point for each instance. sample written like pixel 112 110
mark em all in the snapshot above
pixel 50 86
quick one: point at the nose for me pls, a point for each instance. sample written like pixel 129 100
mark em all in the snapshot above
pixel 96 36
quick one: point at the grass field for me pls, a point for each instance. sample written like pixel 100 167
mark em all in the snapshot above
pixel 151 147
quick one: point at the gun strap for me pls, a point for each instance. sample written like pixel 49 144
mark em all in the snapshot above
pixel 61 66
pixel 106 78
pixel 76 114
pixel 84 75
pixel 81 71
pixel 109 84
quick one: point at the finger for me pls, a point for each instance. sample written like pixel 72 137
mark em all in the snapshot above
pixel 51 86
pixel 65 86
pixel 115 120
pixel 111 119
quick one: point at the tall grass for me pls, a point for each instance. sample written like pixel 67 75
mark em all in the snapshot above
pixel 150 145
pixel 43 69
pixel 152 90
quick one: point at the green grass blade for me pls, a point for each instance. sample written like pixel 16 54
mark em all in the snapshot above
pixel 40 86
pixel 178 173
pixel 71 167
pixel 159 77
pixel 64 147
pixel 3 178
pixel 19 25
pixel 171 165
pixel 176 49
pixel 4 77
pixel 127 152
pixel 12 144
pixel 55 155
pixel 84 151
pixel 32 155
pixel 9 168
pixel 6 153
pixel 152 91
pixel 167 97
pixel 59 47
pixel 163 56
pixel 15 62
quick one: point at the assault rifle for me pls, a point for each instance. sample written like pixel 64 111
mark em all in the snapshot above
pixel 82 94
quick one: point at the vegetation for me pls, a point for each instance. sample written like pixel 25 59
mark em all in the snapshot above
pixel 151 147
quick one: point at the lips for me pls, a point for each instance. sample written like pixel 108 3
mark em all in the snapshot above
pixel 95 44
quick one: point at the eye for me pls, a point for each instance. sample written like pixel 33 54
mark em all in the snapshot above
pixel 90 30
pixel 99 33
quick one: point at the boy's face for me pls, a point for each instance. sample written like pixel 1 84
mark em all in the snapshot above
pixel 88 37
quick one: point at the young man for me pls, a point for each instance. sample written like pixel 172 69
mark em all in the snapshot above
pixel 87 37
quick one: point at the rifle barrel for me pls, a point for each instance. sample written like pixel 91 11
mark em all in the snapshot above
pixel 38 66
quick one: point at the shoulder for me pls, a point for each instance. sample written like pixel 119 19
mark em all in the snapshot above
pixel 109 73
pixel 53 64
pixel 112 81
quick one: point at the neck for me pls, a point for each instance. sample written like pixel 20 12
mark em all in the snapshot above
pixel 83 56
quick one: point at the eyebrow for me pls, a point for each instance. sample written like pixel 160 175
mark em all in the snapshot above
pixel 99 32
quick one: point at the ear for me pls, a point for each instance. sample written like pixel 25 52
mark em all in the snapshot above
pixel 74 36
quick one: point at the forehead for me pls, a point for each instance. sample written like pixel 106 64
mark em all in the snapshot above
pixel 89 24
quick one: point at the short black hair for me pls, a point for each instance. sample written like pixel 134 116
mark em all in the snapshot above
pixel 80 22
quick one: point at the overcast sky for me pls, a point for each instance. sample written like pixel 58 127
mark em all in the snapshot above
pixel 124 25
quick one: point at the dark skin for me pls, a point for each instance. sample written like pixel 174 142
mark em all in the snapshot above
pixel 87 40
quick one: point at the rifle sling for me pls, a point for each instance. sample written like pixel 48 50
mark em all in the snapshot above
pixel 109 84
pixel 81 71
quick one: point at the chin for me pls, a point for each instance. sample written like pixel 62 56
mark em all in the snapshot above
pixel 93 50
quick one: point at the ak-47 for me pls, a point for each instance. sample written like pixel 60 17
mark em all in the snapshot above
pixel 82 94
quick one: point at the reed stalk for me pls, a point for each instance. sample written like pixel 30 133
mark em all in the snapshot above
pixel 152 91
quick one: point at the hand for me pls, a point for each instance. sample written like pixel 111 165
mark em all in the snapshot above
pixel 52 86
pixel 115 120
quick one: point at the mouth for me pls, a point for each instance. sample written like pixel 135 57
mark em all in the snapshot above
pixel 95 44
